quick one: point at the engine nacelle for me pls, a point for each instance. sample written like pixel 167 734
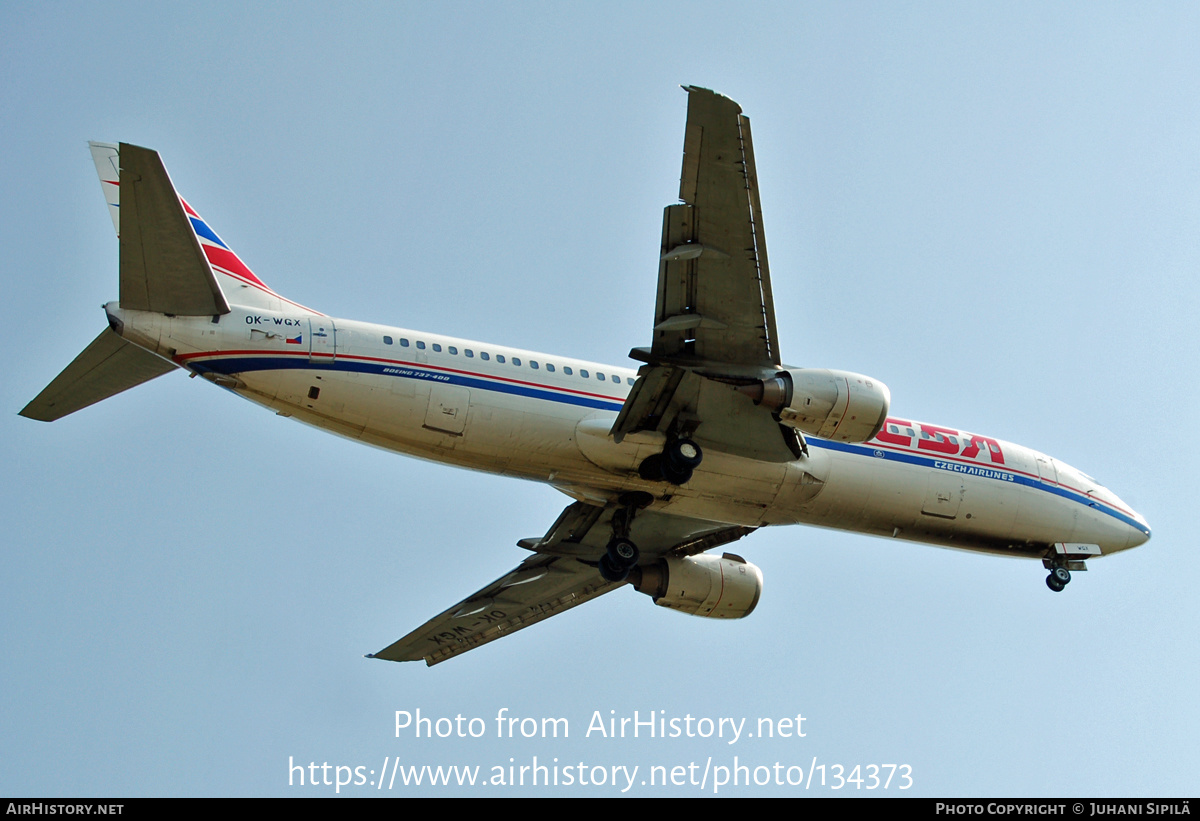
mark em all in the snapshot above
pixel 717 587
pixel 837 405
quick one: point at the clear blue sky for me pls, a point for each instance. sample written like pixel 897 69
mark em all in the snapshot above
pixel 994 209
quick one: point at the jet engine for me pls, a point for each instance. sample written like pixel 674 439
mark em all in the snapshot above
pixel 837 405
pixel 717 587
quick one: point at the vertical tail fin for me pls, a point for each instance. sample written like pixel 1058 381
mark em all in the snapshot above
pixel 106 157
pixel 164 267
pixel 166 244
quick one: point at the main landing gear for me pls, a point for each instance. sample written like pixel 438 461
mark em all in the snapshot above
pixel 674 465
pixel 621 555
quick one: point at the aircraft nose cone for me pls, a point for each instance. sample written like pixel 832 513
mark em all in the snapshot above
pixel 1139 533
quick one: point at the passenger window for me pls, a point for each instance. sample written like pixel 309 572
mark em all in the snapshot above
pixel 629 380
pixel 516 362
pixel 437 347
pixel 583 373
pixel 500 358
pixel 453 350
pixel 484 356
pixel 533 364
pixel 470 353
pixel 387 340
pixel 420 345
pixel 567 370
pixel 403 342
pixel 549 367
pixel 601 377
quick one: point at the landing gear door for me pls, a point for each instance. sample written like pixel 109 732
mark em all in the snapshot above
pixel 322 340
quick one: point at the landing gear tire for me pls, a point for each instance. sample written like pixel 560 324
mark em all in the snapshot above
pixel 674 465
pixel 622 553
pixel 1061 575
pixel 611 573
pixel 684 454
pixel 651 468
pixel 1054 584
pixel 674 474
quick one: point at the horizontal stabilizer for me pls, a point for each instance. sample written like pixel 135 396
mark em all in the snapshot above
pixel 163 267
pixel 107 367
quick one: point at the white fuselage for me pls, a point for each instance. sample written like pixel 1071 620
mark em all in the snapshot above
pixel 547 418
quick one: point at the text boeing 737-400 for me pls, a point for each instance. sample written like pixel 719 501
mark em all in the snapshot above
pixel 712 437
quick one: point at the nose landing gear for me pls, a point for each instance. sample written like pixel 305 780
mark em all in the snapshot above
pixel 1064 558
pixel 1059 578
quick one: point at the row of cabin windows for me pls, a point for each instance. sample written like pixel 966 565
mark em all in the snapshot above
pixel 485 356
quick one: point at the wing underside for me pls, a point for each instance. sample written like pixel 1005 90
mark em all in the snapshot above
pixel 562 574
pixel 714 286
pixel 714 319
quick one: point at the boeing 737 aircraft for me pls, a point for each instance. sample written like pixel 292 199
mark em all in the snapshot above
pixel 712 437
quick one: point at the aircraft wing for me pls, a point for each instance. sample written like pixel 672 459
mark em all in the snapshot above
pixel 562 574
pixel 714 320
pixel 714 287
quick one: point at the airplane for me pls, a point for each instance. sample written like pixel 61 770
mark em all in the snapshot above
pixel 709 439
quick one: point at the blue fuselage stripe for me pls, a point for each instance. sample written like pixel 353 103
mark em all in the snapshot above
pixel 984 471
pixel 246 364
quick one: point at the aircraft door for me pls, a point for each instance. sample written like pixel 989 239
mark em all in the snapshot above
pixel 1046 469
pixel 322 339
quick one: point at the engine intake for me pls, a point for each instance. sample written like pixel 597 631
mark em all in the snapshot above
pixel 716 587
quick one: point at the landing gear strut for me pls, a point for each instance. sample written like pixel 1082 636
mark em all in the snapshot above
pixel 621 555
pixel 1064 559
